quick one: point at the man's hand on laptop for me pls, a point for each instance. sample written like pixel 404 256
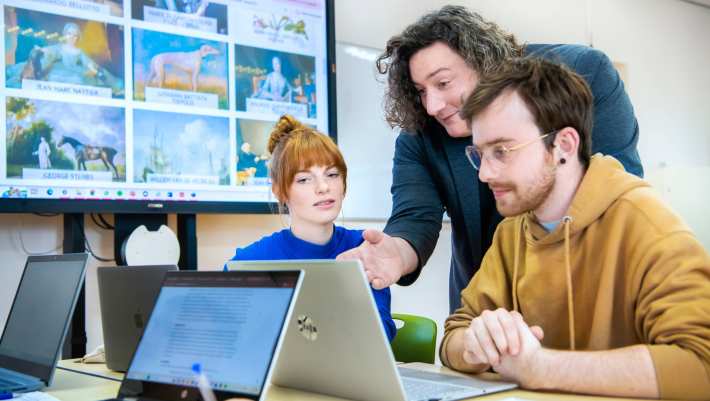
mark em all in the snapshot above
pixel 502 340
pixel 384 258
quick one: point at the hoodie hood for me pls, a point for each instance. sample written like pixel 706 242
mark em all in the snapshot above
pixel 604 182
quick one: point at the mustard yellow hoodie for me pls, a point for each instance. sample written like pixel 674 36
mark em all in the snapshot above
pixel 637 276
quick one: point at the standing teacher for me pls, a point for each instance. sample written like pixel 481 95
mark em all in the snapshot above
pixel 431 68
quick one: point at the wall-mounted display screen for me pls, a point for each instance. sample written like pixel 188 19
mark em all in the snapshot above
pixel 140 105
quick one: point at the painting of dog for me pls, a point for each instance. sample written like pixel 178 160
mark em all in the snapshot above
pixel 179 63
pixel 187 62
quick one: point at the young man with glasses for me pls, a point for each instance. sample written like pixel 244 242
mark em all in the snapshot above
pixel 592 284
pixel 431 67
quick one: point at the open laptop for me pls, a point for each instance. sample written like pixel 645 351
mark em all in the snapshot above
pixel 229 323
pixel 39 319
pixel 335 343
pixel 126 296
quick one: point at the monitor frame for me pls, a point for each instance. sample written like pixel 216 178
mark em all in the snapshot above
pixel 29 205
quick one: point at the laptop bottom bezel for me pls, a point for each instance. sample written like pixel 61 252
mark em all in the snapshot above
pixel 162 391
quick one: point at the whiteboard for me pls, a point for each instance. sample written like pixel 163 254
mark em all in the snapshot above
pixel 365 139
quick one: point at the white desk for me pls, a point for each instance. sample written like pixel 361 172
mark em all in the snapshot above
pixel 83 383
pixel 73 386
pixel 96 369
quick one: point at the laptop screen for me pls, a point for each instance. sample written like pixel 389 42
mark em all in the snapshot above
pixel 45 298
pixel 227 322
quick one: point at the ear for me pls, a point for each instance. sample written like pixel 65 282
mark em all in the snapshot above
pixel 567 144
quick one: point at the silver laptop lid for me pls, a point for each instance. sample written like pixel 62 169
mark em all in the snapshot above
pixel 335 343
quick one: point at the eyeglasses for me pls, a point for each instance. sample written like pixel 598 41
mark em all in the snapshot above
pixel 497 154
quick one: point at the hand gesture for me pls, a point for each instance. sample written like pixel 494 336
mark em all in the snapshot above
pixel 381 257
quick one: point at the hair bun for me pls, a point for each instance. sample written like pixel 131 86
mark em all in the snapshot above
pixel 283 129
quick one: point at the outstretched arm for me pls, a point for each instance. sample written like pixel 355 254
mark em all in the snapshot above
pixel 417 207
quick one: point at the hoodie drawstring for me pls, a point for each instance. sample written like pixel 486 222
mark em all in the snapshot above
pixel 567 220
pixel 516 256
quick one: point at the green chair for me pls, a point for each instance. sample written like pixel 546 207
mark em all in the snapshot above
pixel 416 340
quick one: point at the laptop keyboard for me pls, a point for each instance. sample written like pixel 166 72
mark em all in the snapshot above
pixel 424 390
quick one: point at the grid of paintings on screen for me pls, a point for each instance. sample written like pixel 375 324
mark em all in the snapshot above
pixel 154 99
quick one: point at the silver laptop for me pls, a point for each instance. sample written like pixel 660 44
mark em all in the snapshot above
pixel 227 324
pixel 335 343
pixel 39 320
pixel 126 296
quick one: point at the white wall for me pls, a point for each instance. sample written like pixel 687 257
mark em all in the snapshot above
pixel 371 22
pixel 662 42
pixel 664 45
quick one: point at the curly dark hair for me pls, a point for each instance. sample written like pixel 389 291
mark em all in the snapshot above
pixel 482 44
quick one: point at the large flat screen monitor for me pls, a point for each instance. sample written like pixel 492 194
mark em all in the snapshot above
pixel 142 106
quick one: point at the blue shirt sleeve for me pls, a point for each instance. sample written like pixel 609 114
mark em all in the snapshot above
pixel 383 300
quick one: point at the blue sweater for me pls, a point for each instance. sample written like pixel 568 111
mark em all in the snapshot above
pixel 284 245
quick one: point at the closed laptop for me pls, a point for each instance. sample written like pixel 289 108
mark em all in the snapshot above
pixel 126 296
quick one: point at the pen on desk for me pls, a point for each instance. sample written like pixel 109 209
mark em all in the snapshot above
pixel 203 384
